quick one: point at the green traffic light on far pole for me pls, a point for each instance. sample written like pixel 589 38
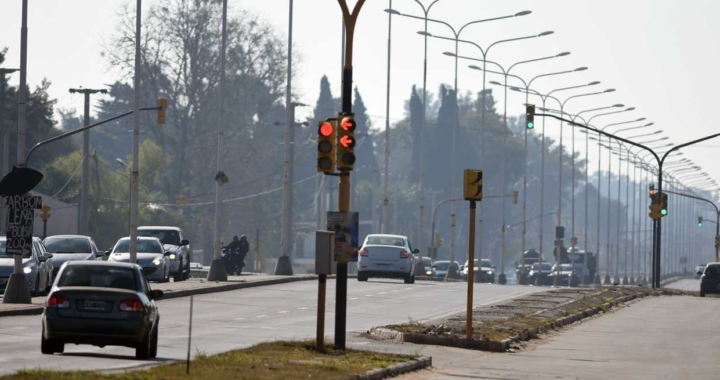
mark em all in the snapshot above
pixel 530 125
pixel 663 212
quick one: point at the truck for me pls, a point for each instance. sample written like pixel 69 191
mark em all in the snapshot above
pixel 522 269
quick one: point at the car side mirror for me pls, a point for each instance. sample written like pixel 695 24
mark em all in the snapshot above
pixel 107 253
pixel 48 255
pixel 156 294
pixel 416 250
pixel 42 259
pixel 185 242
pixel 167 253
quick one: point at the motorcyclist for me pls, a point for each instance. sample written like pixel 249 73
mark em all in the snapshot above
pixel 244 248
pixel 234 249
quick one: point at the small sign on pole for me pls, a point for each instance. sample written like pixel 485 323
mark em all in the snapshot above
pixel 21 214
pixel 345 225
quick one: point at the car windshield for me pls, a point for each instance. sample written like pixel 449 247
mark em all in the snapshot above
pixel 5 255
pixel 165 236
pixel 143 245
pixel 713 272
pixel 98 276
pixel 386 240
pixel 545 267
pixel 67 245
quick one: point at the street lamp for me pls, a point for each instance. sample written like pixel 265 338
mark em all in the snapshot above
pixel 451 271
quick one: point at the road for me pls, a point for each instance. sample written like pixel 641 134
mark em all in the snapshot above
pixel 686 284
pixel 235 319
pixel 664 337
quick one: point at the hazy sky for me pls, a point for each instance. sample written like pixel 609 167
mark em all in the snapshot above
pixel 658 54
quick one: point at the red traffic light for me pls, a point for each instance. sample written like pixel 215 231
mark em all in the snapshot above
pixel 326 130
pixel 348 124
pixel 347 142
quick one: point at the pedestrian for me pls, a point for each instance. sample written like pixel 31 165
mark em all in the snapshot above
pixel 244 248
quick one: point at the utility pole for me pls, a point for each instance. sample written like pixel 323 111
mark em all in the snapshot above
pixel 217 268
pixel 17 290
pixel 5 134
pixel 386 179
pixel 284 267
pixel 83 214
pixel 135 180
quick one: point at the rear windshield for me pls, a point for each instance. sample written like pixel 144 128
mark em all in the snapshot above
pixel 443 265
pixel 165 236
pixel 544 267
pixel 385 240
pixel 67 245
pixel 143 245
pixel 98 276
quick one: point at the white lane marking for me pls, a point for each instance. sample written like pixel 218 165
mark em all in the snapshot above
pixel 261 316
pixel 239 319
pixel 368 295
pixel 382 293
pixel 283 312
pixel 354 298
pixel 302 308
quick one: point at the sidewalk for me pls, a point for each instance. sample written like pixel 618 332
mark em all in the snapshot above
pixel 192 286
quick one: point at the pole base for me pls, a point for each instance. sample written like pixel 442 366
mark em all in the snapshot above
pixel 596 280
pixel 572 281
pixel 17 290
pixel 617 280
pixel 502 280
pixel 625 281
pixel 283 267
pixel 420 269
pixel 539 281
pixel 586 280
pixel 217 271
pixel 607 281
pixel 632 280
pixel 556 281
pixel 452 273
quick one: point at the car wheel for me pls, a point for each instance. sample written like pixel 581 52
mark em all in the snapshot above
pixel 36 292
pixel 154 342
pixel 362 277
pixel 49 347
pixel 702 293
pixel 179 275
pixel 142 351
pixel 408 279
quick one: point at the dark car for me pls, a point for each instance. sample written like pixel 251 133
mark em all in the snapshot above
pixel 70 248
pixel 699 270
pixel 102 304
pixel 710 279
pixel 542 271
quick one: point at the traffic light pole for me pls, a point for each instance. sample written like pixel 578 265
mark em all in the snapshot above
pixel 471 271
pixel 344 185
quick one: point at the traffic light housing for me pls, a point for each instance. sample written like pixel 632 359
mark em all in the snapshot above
pixel 663 204
pixel 472 184
pixel 327 134
pixel 656 206
pixel 162 103
pixel 652 189
pixel 45 213
pixel 515 196
pixel 530 116
pixel 700 221
pixel 346 141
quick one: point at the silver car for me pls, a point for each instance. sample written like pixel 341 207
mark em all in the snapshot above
pixel 37 266
pixel 71 248
pixel 387 256
pixel 174 241
pixel 150 256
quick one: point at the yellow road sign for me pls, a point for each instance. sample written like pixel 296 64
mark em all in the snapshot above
pixel 472 185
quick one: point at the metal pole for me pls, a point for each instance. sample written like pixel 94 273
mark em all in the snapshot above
pixel 387 126
pixel 22 111
pixel 217 268
pixel 609 194
pixel 452 273
pixel 6 136
pixel 85 181
pixel 596 280
pixel 421 222
pixel 134 204
pixel 471 271
pixel 501 277
pixel 619 213
pixel 542 197
pixel 284 266
pixel 585 278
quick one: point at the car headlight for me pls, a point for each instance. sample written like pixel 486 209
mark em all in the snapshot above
pixel 157 261
pixel 27 270
pixel 428 272
pixel 490 272
pixel 172 256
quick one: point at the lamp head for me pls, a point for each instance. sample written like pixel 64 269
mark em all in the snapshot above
pixel 594 83
pixel 658 132
pixel 495 83
pixel 649 124
pixel 630 109
pixel 618 105
pixel 424 33
pixel 475 67
pixel 609 90
pixel 543 34
pixel 563 54
pixel 640 119
pixel 393 12
pixel 523 13
pixel 450 54
pixel 583 68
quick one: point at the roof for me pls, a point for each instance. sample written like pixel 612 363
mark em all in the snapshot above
pixel 167 228
pixel 389 235
pixel 100 263
pixel 140 238
pixel 69 236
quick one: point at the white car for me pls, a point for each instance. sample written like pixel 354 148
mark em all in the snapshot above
pixel 387 256
pixel 174 241
pixel 151 256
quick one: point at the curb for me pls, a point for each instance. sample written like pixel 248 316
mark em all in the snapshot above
pixel 38 309
pixel 397 369
pixel 505 344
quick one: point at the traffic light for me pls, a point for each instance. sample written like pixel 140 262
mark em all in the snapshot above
pixel 346 141
pixel 162 103
pixel 472 185
pixel 326 146
pixel 515 196
pixel 45 214
pixel 530 116
pixel 652 189
pixel 655 207
pixel 700 221
pixel 664 204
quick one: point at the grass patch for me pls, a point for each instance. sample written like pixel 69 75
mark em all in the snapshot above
pixel 273 360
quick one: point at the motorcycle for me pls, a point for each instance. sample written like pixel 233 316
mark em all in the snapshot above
pixel 231 262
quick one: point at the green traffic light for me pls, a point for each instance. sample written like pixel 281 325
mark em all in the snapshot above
pixel 699 224
pixel 530 125
pixel 663 212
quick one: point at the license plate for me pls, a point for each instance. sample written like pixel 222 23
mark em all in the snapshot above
pixel 94 305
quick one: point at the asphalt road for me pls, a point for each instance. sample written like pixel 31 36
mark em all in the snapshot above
pixel 686 284
pixel 236 319
pixel 656 338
